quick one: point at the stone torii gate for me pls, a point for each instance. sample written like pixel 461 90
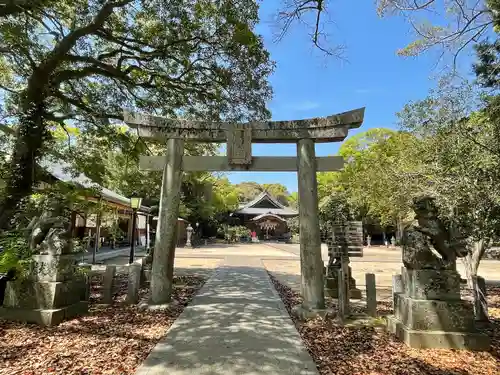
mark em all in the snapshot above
pixel 239 138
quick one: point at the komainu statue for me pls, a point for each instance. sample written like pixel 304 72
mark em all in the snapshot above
pixel 53 287
pixel 50 233
pixel 431 242
pixel 428 309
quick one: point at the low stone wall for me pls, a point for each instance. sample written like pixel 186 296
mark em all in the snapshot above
pixel 108 273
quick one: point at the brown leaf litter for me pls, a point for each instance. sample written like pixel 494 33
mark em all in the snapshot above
pixel 372 351
pixel 109 340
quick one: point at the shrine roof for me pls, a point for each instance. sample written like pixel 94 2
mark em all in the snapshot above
pixel 273 207
pixel 62 172
pixel 260 211
pixel 256 218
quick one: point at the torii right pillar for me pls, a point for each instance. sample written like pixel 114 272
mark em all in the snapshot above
pixel 311 262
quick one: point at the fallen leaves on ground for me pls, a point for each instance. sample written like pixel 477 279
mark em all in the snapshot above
pixel 109 340
pixel 373 351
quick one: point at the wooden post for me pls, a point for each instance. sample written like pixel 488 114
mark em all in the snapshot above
pixel 97 236
pixel 344 266
pixel 133 242
pixel 343 298
pixel 164 252
pixel 73 224
pixel 147 231
pixel 311 263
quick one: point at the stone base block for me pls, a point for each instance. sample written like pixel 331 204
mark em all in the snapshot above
pixel 44 317
pixel 434 315
pixel 437 339
pixel 334 293
pixel 304 313
pixel 33 295
pixel 431 284
pixel 332 286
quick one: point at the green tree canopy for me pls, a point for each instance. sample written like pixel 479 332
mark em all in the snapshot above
pixel 82 62
pixel 379 176
pixel 249 190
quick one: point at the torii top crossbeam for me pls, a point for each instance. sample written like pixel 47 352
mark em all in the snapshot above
pixel 332 128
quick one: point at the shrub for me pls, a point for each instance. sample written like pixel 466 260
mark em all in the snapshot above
pixel 14 251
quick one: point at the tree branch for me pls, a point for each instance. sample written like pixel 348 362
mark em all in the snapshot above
pixel 69 41
pixel 416 5
pixel 7 130
pixel 294 11
pixel 2 87
pixel 97 68
pixel 82 106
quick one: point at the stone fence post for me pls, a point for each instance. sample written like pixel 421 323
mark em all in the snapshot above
pixel 107 285
pixel 371 294
pixel 134 281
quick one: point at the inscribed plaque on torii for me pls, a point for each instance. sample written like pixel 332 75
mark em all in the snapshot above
pixel 239 144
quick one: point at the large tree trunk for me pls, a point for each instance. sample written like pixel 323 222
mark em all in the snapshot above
pixel 20 180
pixel 471 263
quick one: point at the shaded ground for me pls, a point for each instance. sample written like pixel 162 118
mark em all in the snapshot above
pixel 372 351
pixel 110 340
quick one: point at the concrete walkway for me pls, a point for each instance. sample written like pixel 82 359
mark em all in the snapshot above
pixel 236 325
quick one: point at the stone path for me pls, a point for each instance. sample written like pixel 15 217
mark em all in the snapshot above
pixel 236 325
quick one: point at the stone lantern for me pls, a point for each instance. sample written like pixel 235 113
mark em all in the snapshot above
pixel 189 231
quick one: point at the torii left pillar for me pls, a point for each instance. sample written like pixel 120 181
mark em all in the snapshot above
pixel 164 251
pixel 311 264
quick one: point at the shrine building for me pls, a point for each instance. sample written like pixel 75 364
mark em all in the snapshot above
pixel 266 216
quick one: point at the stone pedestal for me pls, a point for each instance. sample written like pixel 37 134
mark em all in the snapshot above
pixel 429 313
pixel 332 286
pixel 54 291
